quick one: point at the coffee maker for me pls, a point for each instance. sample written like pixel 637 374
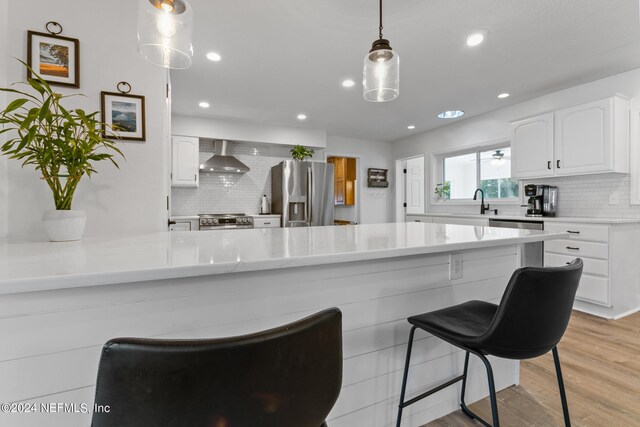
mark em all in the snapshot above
pixel 543 200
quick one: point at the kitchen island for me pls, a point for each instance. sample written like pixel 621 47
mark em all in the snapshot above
pixel 59 302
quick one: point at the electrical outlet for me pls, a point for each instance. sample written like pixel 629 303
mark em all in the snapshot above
pixel 455 266
pixel 613 198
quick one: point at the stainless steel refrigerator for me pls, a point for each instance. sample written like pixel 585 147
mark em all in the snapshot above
pixel 302 192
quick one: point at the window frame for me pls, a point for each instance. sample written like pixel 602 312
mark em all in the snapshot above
pixel 439 170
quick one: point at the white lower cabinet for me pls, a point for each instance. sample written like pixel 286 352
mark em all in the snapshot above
pixel 460 221
pixel 180 226
pixel 610 284
pixel 417 218
pixel 447 220
pixel 266 222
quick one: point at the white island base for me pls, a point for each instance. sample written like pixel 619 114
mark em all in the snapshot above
pixel 51 339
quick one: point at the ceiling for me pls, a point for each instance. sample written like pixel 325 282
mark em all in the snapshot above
pixel 285 57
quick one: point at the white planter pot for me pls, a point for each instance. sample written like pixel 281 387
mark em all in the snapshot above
pixel 64 226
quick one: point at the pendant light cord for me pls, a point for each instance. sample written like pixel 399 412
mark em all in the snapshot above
pixel 380 19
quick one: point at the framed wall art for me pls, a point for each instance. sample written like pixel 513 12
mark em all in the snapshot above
pixel 124 115
pixel 55 58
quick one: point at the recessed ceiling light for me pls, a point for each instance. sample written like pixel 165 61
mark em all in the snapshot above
pixel 204 104
pixel 411 127
pixel 348 83
pixel 302 116
pixel 214 56
pixel 474 39
pixel 503 95
pixel 452 114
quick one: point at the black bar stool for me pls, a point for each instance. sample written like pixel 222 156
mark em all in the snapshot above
pixel 286 376
pixel 532 317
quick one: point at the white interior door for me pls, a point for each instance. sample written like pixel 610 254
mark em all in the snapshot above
pixel 415 185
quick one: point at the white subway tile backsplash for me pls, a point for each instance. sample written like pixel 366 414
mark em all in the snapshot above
pixel 231 193
pixel 578 196
pixel 589 195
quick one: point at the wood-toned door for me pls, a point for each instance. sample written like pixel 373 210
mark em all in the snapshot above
pixel 344 180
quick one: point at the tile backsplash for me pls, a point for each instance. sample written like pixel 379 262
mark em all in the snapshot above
pixel 578 196
pixel 599 196
pixel 231 193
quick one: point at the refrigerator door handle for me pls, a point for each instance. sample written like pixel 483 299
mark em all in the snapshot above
pixel 309 195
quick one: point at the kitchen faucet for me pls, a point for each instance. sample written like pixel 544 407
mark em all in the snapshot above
pixel 483 207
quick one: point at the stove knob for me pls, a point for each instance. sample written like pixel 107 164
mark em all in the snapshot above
pixel 214 221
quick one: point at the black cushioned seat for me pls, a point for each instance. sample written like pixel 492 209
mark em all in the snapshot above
pixel 287 376
pixel 529 321
pixel 464 323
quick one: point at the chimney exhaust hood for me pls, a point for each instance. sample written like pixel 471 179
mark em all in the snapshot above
pixel 222 161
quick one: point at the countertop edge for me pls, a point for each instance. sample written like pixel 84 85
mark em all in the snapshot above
pixel 37 284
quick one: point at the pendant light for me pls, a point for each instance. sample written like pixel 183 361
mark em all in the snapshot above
pixel 381 73
pixel 164 32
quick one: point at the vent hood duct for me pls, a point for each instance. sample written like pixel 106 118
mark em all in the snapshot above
pixel 222 162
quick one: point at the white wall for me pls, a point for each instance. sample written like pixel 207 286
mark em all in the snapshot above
pixel 248 132
pixel 494 126
pixel 4 7
pixel 376 203
pixel 134 198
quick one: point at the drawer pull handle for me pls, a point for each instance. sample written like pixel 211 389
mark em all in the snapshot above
pixel 267 223
pixel 573 232
pixel 572 248
pixel 549 164
pixel 416 220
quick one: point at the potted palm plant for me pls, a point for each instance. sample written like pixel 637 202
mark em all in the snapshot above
pixel 61 144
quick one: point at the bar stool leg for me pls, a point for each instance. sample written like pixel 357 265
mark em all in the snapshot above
pixel 492 393
pixel 563 396
pixel 404 378
pixel 464 384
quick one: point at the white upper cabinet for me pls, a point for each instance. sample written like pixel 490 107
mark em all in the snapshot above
pixel 593 138
pixel 586 139
pixel 185 161
pixel 532 147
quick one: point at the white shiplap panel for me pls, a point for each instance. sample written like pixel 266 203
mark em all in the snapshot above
pixel 52 340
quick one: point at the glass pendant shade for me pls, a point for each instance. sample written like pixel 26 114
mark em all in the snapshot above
pixel 164 32
pixel 381 73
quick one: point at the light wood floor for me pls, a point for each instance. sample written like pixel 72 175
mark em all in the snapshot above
pixel 601 366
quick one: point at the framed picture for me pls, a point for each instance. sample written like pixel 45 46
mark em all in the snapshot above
pixel 55 58
pixel 124 113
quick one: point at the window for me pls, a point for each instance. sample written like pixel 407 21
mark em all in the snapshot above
pixel 488 169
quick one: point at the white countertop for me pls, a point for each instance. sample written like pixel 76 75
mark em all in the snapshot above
pixel 27 265
pixel 529 218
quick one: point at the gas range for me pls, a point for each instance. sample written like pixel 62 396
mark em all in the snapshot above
pixel 225 221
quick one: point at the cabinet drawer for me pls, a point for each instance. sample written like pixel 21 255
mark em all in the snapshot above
pixel 590 232
pixel 594 289
pixel 575 248
pixel 460 221
pixel 266 222
pixel 595 267
pixel 417 218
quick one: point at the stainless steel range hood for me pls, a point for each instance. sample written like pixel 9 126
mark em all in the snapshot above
pixel 222 161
